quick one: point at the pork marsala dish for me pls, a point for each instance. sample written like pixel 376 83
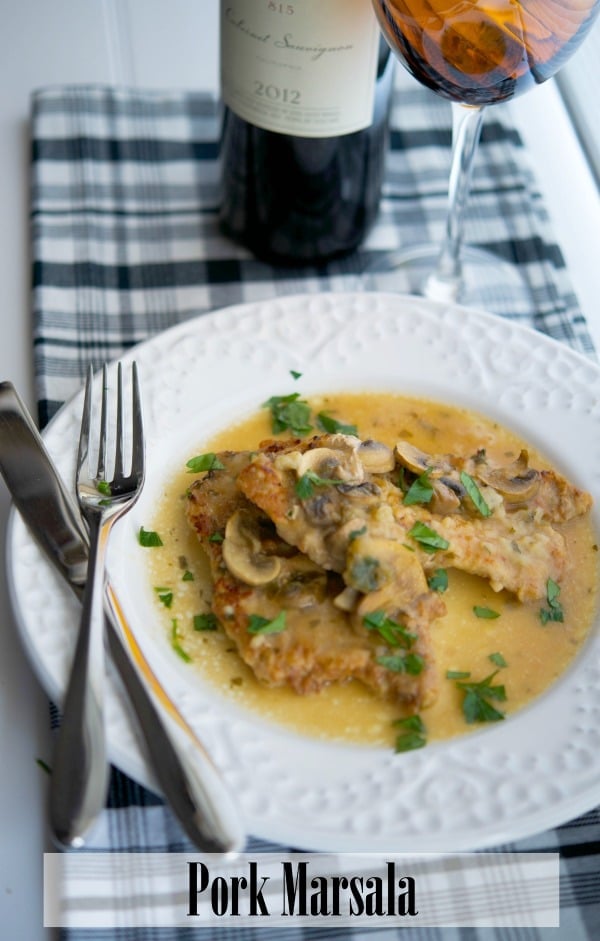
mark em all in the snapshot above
pixel 419 570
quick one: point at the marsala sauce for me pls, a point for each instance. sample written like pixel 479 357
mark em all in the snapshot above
pixel 535 654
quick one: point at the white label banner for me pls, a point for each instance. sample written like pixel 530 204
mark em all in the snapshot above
pixel 304 68
pixel 130 890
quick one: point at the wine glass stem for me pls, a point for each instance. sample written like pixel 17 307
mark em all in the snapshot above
pixel 445 282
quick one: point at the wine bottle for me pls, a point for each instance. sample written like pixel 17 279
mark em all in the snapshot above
pixel 306 88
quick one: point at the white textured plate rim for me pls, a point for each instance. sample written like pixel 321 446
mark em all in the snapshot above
pixel 498 367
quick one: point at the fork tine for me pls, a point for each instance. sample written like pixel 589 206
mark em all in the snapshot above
pixel 137 459
pixel 84 434
pixel 119 432
pixel 101 472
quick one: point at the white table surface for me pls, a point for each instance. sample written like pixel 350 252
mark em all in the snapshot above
pixel 155 43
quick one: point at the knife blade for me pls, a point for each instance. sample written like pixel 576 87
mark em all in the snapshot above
pixel 185 772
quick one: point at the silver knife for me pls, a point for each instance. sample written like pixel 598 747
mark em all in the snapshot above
pixel 187 776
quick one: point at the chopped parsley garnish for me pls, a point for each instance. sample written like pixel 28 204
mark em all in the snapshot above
pixel 103 487
pixel 414 723
pixel 333 426
pixel 43 765
pixel 148 538
pixel 175 642
pixel 364 574
pixel 356 533
pixel 411 663
pixel 289 412
pixel 187 576
pixel 481 611
pixel 409 741
pixel 498 660
pixel 439 580
pixel 165 595
pixel 305 485
pixel 216 537
pixel 205 622
pixel 204 462
pixel 396 635
pixel 294 374
pixel 476 703
pixel 420 491
pixel 427 538
pixel 475 494
pixel 413 734
pixel 260 625
pixel 457 675
pixel 554 611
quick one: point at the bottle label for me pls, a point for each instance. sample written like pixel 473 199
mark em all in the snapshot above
pixel 305 68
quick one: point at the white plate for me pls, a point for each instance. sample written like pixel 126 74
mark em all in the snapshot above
pixel 536 769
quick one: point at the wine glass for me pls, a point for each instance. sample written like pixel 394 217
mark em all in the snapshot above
pixel 475 53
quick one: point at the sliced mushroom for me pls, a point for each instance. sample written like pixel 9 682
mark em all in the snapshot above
pixel 375 457
pixel 418 461
pixel 389 576
pixel 337 542
pixel 445 499
pixel 516 482
pixel 347 599
pixel 335 463
pixel 301 583
pixel 323 509
pixel 242 551
pixel 455 485
pixel 367 488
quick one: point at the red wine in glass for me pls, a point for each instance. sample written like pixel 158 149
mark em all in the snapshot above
pixel 476 53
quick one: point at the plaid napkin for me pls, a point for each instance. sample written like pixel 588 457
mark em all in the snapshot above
pixel 126 243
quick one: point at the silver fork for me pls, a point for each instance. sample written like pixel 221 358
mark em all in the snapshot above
pixel 79 779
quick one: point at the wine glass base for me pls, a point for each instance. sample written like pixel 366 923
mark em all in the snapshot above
pixel 488 281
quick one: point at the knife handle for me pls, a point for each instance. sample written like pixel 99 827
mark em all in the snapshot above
pixel 37 489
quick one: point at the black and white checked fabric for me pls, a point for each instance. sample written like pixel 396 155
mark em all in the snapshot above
pixel 126 242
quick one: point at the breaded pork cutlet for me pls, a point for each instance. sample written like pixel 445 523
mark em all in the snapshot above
pixel 321 551
pixel 495 522
pixel 280 608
